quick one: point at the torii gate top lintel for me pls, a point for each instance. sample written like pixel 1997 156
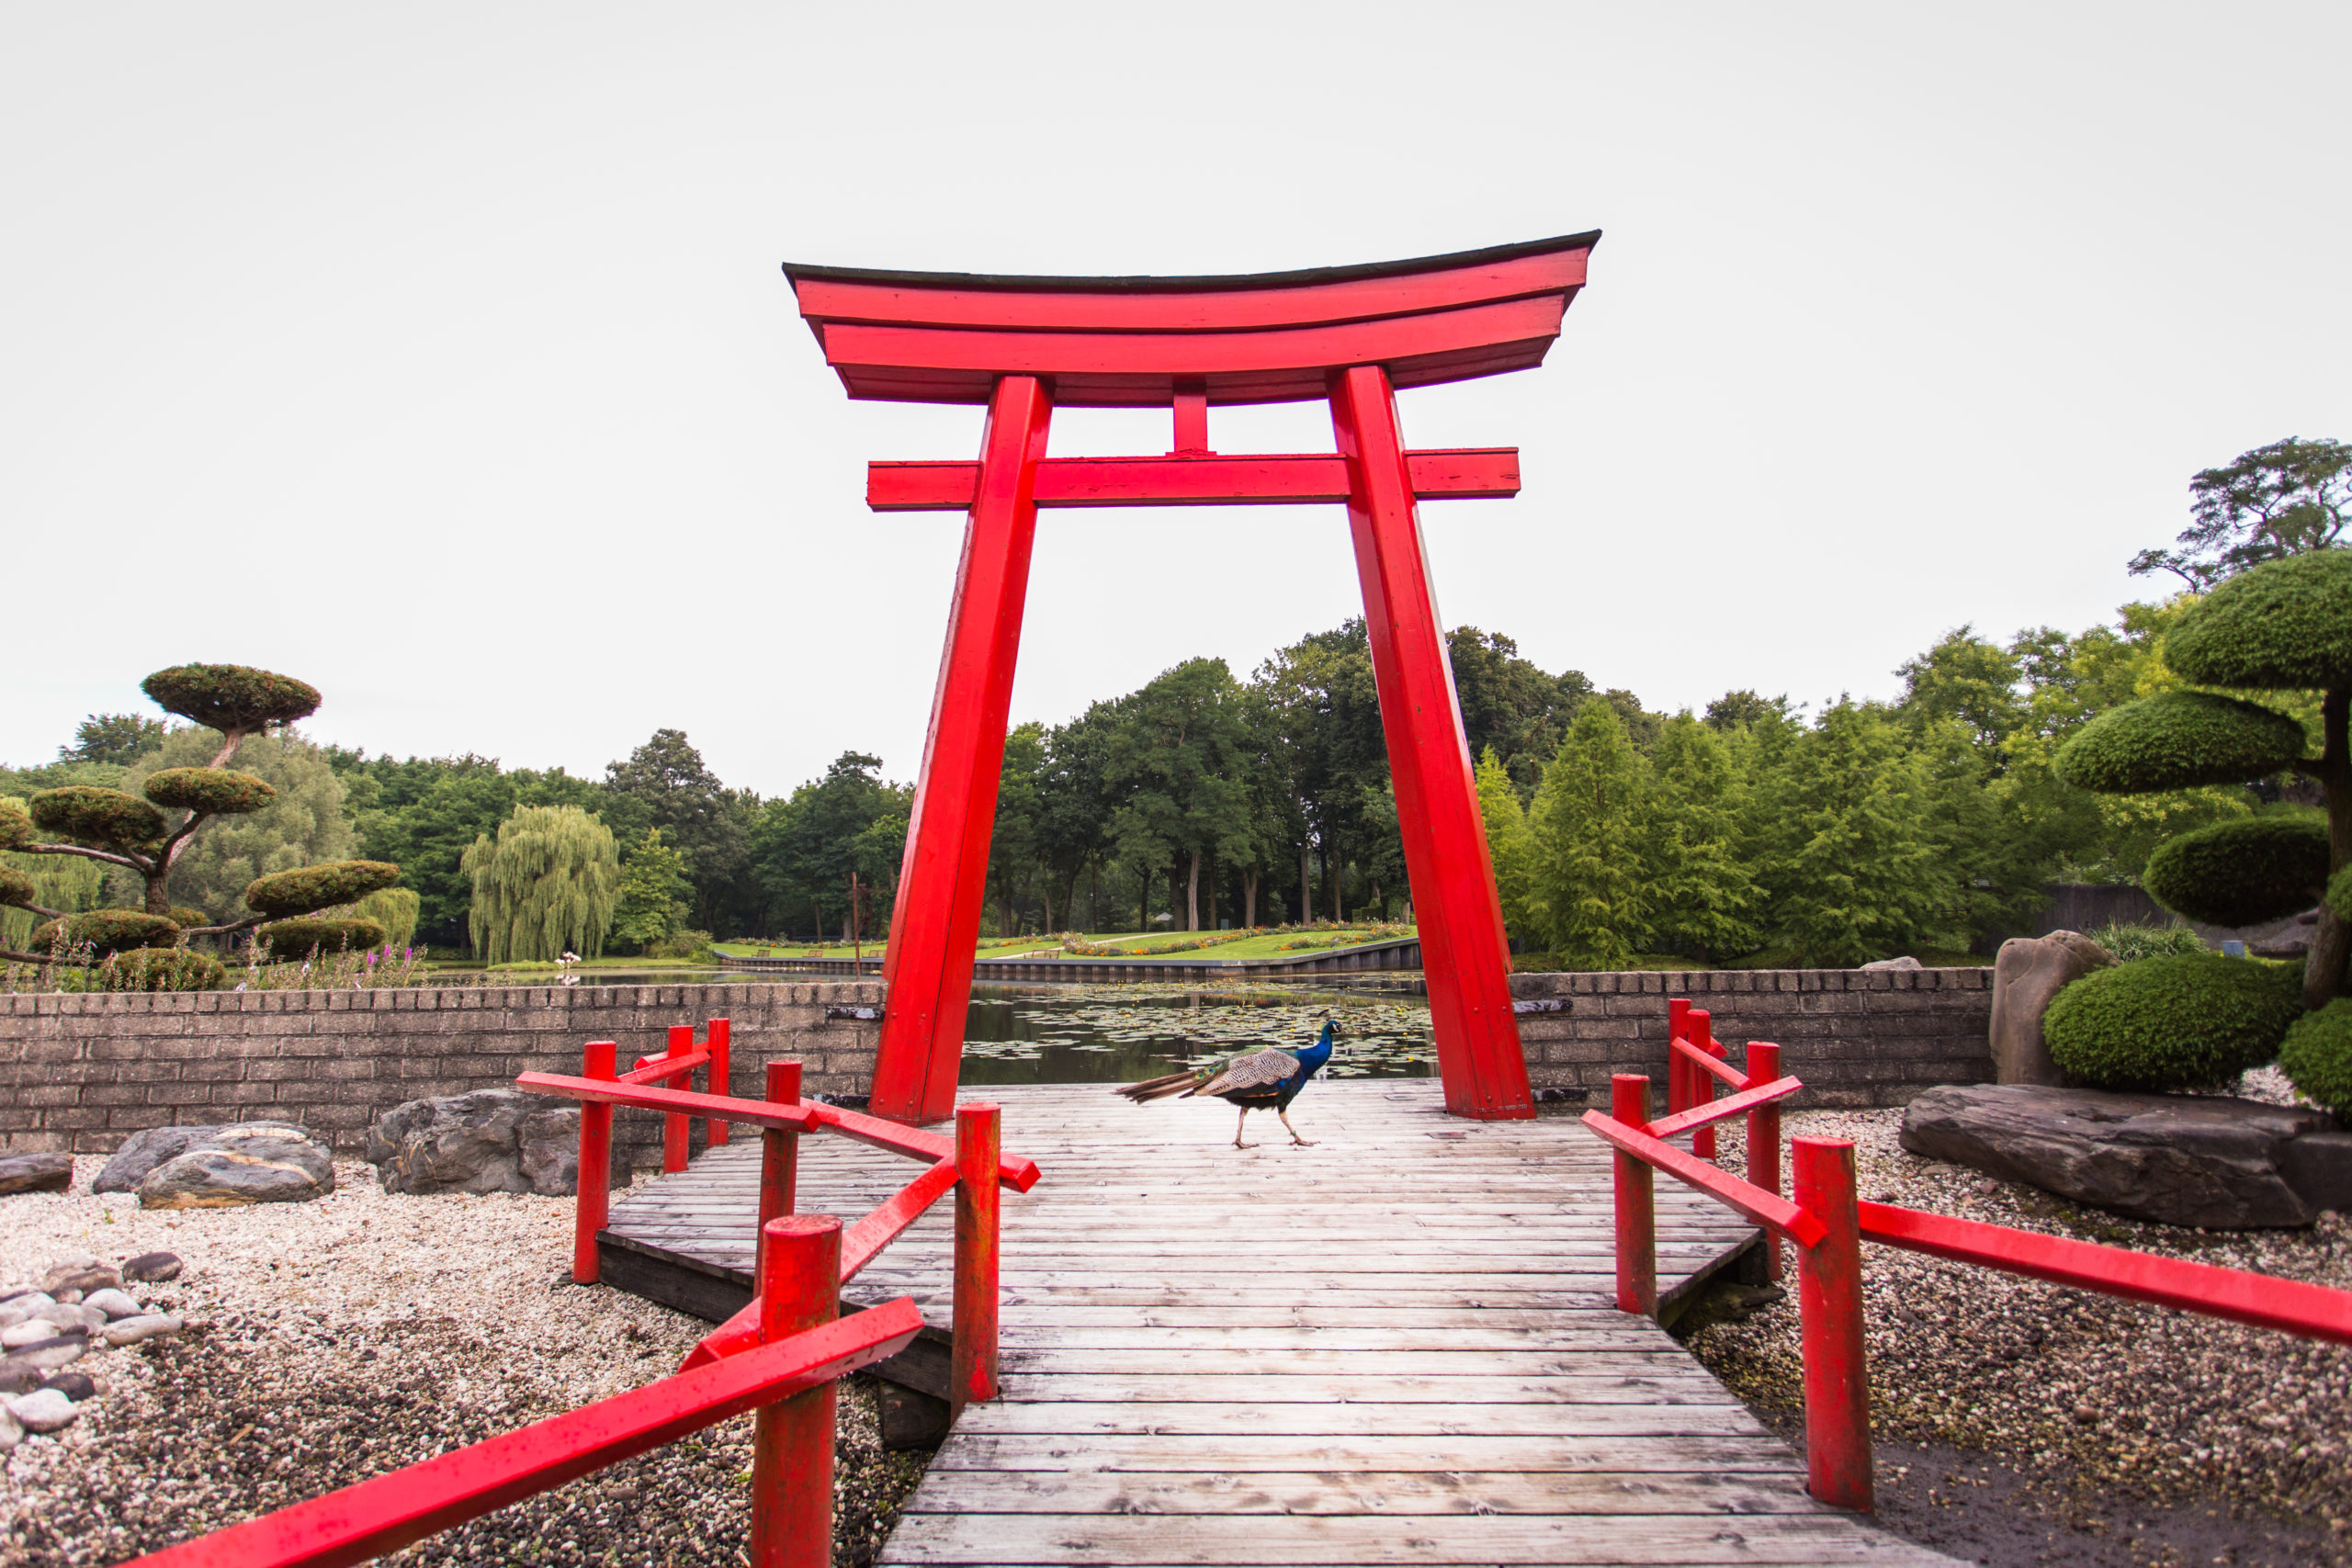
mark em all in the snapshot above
pixel 1238 338
pixel 1351 336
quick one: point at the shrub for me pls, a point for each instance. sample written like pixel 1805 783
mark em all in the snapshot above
pixel 217 789
pixel 231 698
pixel 2130 943
pixel 105 817
pixel 2317 1057
pixel 109 931
pixel 312 935
pixel 309 888
pixel 16 887
pixel 158 969
pixel 2187 1022
pixel 16 828
pixel 2178 740
pixel 2285 623
pixel 2242 872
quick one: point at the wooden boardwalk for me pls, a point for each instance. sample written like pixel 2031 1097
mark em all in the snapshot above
pixel 1396 1347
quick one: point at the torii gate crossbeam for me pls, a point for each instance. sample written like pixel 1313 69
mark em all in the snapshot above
pixel 1349 335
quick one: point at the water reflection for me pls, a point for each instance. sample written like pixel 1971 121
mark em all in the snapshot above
pixel 1062 1034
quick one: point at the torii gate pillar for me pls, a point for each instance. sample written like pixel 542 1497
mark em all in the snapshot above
pixel 1351 336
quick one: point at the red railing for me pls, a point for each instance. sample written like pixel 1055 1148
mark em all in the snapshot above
pixel 779 1355
pixel 1828 1225
pixel 789 1379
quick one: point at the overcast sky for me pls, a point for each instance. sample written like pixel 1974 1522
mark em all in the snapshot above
pixel 438 354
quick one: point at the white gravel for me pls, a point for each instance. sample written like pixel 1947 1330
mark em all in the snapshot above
pixel 334 1340
pixel 2089 1389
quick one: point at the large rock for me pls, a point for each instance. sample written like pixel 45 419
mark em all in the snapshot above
pixel 36 1173
pixel 142 1152
pixel 2172 1158
pixel 493 1140
pixel 256 1162
pixel 2028 973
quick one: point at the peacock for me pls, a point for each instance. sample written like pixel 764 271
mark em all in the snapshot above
pixel 1254 1082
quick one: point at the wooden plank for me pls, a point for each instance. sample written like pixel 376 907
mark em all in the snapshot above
pixel 1212 1541
pixel 1369 1382
pixel 1392 1492
pixel 1340 1420
pixel 1402 1453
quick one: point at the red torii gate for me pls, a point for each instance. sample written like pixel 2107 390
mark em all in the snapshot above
pixel 1350 335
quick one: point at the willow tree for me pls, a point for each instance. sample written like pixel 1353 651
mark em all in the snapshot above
pixel 2282 626
pixel 546 886
pixel 147 837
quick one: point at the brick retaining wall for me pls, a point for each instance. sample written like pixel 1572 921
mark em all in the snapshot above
pixel 1855 1036
pixel 83 1073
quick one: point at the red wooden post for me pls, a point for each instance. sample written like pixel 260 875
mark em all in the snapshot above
pixel 972 1357
pixel 1636 1216
pixel 592 1201
pixel 718 1077
pixel 674 1127
pixel 1830 1307
pixel 936 921
pixel 1465 956
pixel 792 1441
pixel 779 1159
pixel 1698 1085
pixel 1678 1027
pixel 1764 1140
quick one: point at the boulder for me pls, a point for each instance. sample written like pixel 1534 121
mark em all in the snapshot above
pixel 43 1410
pixel 254 1162
pixel 149 1325
pixel 153 1267
pixel 80 1272
pixel 142 1152
pixel 2174 1159
pixel 2028 973
pixel 493 1140
pixel 36 1173
pixel 20 1376
pixel 1906 961
pixel 112 1304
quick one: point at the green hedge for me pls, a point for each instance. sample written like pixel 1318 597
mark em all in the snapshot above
pixel 2242 872
pixel 309 888
pixel 231 696
pixel 109 930
pixel 290 941
pixel 2177 740
pixel 16 887
pixel 2189 1022
pixel 220 791
pixel 159 969
pixel 2317 1057
pixel 2284 624
pixel 15 828
pixel 106 818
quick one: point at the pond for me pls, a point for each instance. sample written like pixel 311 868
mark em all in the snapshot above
pixel 1064 1033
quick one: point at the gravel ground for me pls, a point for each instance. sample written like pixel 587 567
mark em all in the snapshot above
pixel 334 1340
pixel 2133 1433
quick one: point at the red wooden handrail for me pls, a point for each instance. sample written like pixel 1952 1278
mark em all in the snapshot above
pixel 1693 1057
pixel 662 1069
pixel 381 1515
pixel 1765 1209
pixel 1723 1110
pixel 646 1096
pixel 866 1239
pixel 2265 1301
pixel 1829 1222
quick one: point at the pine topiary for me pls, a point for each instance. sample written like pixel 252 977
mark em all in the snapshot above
pixel 109 930
pixel 159 969
pixel 293 940
pixel 2161 1024
pixel 232 698
pixel 2242 872
pixel 2177 740
pixel 2284 624
pixel 2317 1057
pixel 309 888
pixel 100 818
pixel 216 790
pixel 123 830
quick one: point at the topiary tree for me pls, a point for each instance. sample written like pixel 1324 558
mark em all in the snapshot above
pixel 2189 1021
pixel 120 829
pixel 2317 1055
pixel 2284 625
